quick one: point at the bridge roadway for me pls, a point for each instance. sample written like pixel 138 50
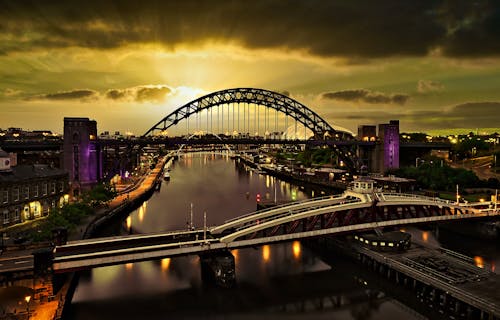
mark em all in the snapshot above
pixel 349 212
pixel 41 145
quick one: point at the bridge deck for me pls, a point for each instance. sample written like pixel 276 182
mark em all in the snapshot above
pixel 282 224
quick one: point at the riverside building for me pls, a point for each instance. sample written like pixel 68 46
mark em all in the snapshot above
pixel 29 191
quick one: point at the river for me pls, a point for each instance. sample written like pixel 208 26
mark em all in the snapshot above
pixel 273 281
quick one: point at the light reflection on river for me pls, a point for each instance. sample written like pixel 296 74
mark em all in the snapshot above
pixel 272 280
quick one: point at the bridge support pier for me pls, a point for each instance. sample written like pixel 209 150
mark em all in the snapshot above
pixel 218 269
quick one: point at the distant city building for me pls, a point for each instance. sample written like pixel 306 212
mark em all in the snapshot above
pixel 20 134
pixel 29 191
pixel 82 153
pixel 384 154
pixel 367 133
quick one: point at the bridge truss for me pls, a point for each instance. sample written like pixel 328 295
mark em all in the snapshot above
pixel 317 217
pixel 224 108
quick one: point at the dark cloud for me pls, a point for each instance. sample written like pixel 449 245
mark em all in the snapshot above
pixel 140 93
pixel 484 110
pixel 115 94
pixel 362 95
pixel 467 115
pixel 147 93
pixel 80 94
pixel 156 94
pixel 355 29
pixel 473 28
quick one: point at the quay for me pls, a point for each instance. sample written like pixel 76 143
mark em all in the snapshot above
pixel 441 278
pixel 293 177
pixel 48 302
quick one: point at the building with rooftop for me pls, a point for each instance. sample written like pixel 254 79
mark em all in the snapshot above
pixel 29 191
pixel 82 154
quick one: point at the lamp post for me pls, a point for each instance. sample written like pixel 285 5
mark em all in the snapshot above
pixel 27 299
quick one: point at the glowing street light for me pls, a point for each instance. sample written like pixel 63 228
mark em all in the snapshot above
pixel 27 299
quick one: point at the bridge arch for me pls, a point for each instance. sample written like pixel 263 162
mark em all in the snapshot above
pixel 270 99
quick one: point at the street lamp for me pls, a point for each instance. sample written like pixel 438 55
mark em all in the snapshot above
pixel 27 299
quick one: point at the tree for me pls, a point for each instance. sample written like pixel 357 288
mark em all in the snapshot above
pixel 99 195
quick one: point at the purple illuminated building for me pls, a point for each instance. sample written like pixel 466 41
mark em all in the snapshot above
pixel 82 153
pixel 388 134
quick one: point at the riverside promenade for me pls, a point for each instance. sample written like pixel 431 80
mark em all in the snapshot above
pixel 122 203
pixel 52 307
pixel 125 200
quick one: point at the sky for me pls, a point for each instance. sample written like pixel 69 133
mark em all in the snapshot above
pixel 127 64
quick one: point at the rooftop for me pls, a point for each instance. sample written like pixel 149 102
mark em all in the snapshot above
pixel 27 172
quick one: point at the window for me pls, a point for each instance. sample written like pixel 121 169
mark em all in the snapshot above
pixel 35 191
pixel 61 186
pixel 26 192
pixel 53 187
pixel 5 217
pixel 15 191
pixel 5 196
pixel 17 216
pixel 44 188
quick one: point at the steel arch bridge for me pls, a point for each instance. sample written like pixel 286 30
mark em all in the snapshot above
pixel 267 98
pixel 271 100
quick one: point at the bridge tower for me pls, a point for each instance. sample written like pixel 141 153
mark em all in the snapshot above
pixel 388 150
pixel 82 153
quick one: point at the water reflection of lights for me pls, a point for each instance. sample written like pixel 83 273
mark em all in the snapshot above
pixel 266 253
pixel 479 262
pixel 141 214
pixel 165 263
pixel 129 222
pixel 425 236
pixel 296 249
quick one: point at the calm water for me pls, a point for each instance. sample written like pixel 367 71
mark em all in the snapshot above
pixel 275 281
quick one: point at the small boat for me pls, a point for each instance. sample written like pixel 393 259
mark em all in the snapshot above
pixel 166 175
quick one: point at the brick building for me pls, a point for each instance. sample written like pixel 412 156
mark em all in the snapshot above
pixel 29 191
pixel 82 154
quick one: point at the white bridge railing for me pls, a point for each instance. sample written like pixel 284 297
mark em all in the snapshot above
pixel 408 196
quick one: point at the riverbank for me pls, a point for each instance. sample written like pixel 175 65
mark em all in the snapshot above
pixel 122 204
pixel 295 178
